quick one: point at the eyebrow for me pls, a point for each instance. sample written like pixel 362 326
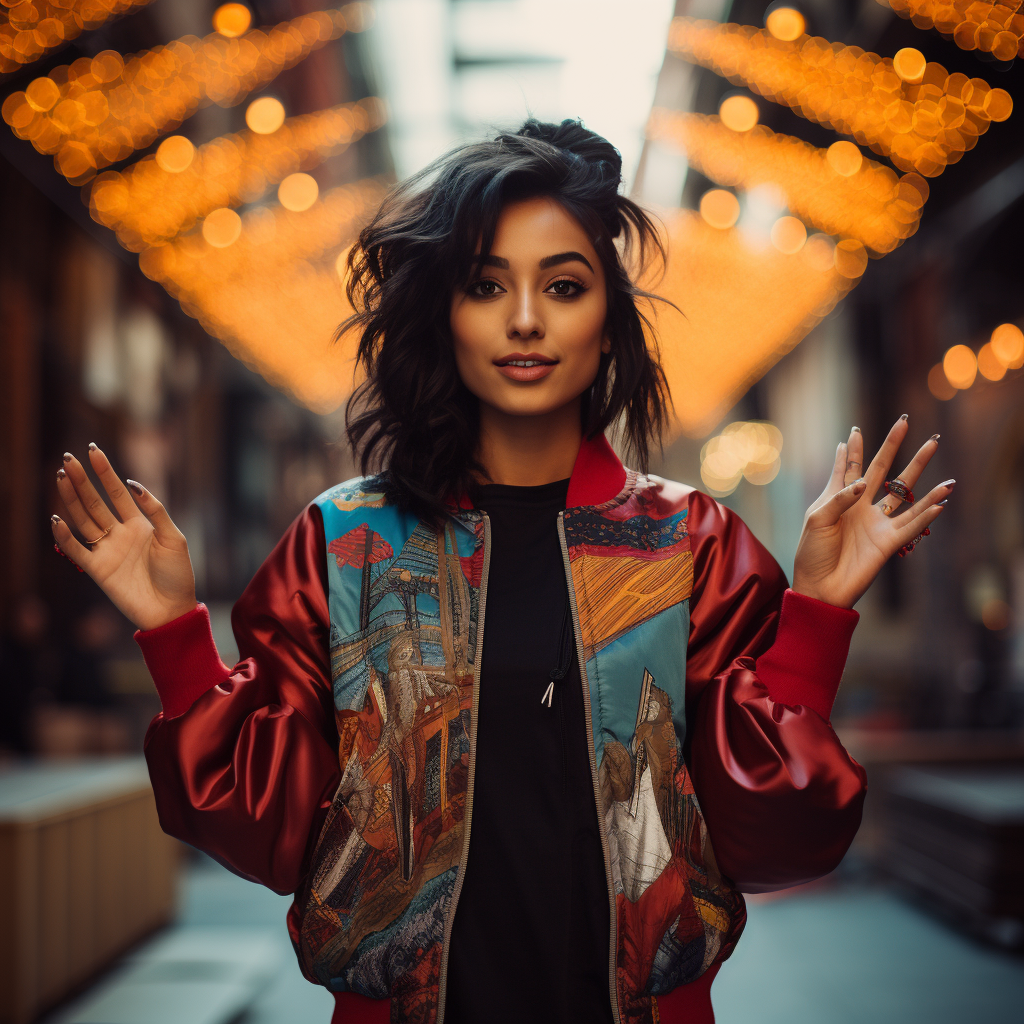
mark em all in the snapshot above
pixel 549 261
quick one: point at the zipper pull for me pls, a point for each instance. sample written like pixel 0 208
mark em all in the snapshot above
pixel 548 693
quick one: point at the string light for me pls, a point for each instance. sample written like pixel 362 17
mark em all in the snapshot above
pixel 298 191
pixel 993 28
pixel 33 29
pixel 871 204
pixel 743 309
pixel 750 450
pixel 156 199
pixel 1007 343
pixel 273 296
pixel 990 366
pixel 96 112
pixel 788 235
pixel 232 20
pixel 739 113
pixel 721 209
pixel 938 385
pixel 922 126
pixel 785 23
pixel 960 366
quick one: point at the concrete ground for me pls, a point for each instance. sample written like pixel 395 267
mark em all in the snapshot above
pixel 851 953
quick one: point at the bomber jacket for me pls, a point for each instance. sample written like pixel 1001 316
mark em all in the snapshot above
pixel 335 760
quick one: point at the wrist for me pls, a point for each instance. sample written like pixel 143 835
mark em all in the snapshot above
pixel 816 593
pixel 167 615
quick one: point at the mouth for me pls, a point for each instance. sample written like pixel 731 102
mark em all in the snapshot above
pixel 525 368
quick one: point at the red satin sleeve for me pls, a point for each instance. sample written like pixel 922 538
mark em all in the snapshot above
pixel 780 795
pixel 243 761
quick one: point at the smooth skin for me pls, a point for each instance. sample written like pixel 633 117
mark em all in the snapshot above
pixel 527 301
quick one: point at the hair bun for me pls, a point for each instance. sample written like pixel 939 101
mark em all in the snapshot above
pixel 571 137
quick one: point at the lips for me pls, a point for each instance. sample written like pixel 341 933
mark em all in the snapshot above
pixel 527 366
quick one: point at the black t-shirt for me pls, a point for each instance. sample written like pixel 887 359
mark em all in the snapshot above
pixel 530 936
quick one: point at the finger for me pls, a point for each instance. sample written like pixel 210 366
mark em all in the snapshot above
pixel 912 473
pixel 831 511
pixel 915 527
pixel 835 480
pixel 880 464
pixel 116 491
pixel 163 526
pixel 74 549
pixel 918 509
pixel 854 456
pixel 79 514
pixel 94 506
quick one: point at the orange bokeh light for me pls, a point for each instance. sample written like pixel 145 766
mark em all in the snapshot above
pixel 789 235
pixel 938 385
pixel 845 158
pixel 994 28
pixel 175 154
pixel 265 115
pixel 298 192
pixel 1007 343
pixel 785 23
pixel 989 364
pixel 909 64
pixel 960 366
pixel 232 20
pixel 739 113
pixel 851 258
pixel 719 208
pixel 222 227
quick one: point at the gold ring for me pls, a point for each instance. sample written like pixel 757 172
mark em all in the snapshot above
pixel 93 543
pixel 887 510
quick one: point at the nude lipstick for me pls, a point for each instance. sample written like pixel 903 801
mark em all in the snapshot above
pixel 525 367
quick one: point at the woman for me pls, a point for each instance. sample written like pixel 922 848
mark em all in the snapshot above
pixel 641 731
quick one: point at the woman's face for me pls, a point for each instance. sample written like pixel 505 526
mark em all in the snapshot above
pixel 529 328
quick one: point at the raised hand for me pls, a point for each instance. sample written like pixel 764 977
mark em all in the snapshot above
pixel 140 561
pixel 847 536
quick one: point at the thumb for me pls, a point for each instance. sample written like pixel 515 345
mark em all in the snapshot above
pixel 153 510
pixel 831 511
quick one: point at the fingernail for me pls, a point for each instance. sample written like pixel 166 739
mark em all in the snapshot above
pixel 54 520
pixel 859 486
pixel 904 416
pixel 61 474
pixel 136 486
pixel 935 438
pixel 855 430
pixel 67 456
pixel 949 483
pixel 942 504
pixel 93 448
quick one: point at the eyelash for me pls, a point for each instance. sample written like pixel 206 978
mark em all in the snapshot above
pixel 578 285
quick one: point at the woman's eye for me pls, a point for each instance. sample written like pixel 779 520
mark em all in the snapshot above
pixel 485 289
pixel 565 288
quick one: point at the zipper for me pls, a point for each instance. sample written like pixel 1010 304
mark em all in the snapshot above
pixel 578 632
pixel 442 985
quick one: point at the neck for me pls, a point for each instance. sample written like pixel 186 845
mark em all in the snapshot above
pixel 526 451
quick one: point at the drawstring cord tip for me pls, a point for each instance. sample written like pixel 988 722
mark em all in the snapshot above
pixel 548 694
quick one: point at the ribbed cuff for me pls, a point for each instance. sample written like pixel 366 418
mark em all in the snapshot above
pixel 806 662
pixel 182 658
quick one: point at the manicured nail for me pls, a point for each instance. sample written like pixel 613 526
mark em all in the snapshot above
pixel 935 438
pixel 61 474
pixel 859 486
pixel 54 520
pixel 904 417
pixel 949 483
pixel 136 486
pixel 942 504
pixel 855 430
pixel 92 446
pixel 68 456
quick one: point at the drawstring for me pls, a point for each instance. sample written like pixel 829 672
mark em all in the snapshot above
pixel 565 652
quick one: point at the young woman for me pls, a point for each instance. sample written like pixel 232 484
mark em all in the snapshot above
pixel 514 723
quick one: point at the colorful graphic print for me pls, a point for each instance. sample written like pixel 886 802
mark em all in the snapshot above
pixel 402 660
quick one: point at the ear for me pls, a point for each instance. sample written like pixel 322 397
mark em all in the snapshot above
pixel 606 344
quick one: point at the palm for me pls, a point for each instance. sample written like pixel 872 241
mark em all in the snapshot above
pixel 847 538
pixel 140 562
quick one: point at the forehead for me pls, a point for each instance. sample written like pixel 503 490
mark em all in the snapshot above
pixel 534 228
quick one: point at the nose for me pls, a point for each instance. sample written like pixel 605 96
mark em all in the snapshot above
pixel 525 320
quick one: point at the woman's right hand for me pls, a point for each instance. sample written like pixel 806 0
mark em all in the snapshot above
pixel 140 562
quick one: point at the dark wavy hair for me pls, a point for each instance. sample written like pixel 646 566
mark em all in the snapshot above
pixel 412 414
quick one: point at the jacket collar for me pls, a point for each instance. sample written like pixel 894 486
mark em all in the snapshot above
pixel 597 475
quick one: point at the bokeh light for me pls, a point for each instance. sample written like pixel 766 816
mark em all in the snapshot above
pixel 298 192
pixel 222 227
pixel 851 258
pixel 989 364
pixel 938 384
pixel 785 23
pixel 1008 345
pixel 738 113
pixel 265 115
pixel 995 614
pixel 993 28
pixel 960 366
pixel 721 209
pixel 232 20
pixel 921 125
pixel 845 158
pixel 175 154
pixel 750 450
pixel 789 235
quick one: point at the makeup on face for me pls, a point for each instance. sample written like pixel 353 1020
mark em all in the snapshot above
pixel 525 368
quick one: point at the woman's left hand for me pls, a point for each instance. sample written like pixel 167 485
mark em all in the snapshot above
pixel 847 537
